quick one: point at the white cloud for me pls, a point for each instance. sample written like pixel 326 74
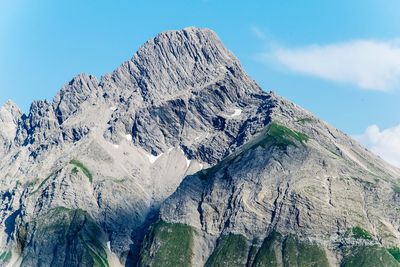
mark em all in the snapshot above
pixel 369 64
pixel 385 143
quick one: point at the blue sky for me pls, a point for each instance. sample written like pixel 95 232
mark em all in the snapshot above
pixel 339 59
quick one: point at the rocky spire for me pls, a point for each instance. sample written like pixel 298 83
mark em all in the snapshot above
pixel 174 62
pixel 73 94
pixel 9 116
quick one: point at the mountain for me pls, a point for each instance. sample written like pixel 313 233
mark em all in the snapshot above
pixel 178 158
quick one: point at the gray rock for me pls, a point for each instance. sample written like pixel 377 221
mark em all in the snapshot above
pixel 9 116
pixel 112 151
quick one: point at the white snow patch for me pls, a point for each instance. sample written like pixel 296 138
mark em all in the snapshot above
pixel 201 166
pixel 128 137
pixel 169 150
pixel 152 158
pixel 187 162
pixel 236 113
pixel 116 146
pixel 113 108
pixel 113 260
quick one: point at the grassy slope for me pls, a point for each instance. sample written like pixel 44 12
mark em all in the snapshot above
pixel 231 250
pixel 300 253
pixel 5 257
pixel 266 255
pixel 71 233
pixel 167 244
pixel 395 252
pixel 369 256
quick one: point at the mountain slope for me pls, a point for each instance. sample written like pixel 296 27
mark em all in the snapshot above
pixel 117 147
pixel 312 185
pixel 242 177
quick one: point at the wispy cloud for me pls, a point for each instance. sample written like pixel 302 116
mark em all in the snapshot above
pixel 385 143
pixel 368 64
pixel 258 32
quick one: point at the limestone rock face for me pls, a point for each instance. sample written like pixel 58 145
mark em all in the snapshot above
pixel 68 101
pixel 300 177
pixel 179 147
pixel 9 116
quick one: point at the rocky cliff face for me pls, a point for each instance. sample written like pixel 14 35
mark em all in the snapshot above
pixel 299 185
pixel 179 158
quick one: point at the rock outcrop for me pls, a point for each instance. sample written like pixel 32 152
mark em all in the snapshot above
pixel 178 158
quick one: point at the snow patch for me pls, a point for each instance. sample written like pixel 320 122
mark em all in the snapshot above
pixel 116 146
pixel 113 259
pixel 113 108
pixel 187 162
pixel 128 137
pixel 236 113
pixel 153 158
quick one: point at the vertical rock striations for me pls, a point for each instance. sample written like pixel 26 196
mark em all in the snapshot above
pixel 179 158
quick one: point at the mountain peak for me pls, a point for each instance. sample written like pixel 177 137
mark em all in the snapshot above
pixel 180 134
pixel 10 105
pixel 12 109
pixel 174 61
pixel 9 116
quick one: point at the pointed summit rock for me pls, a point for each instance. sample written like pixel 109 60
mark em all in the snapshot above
pixel 9 117
pixel 72 95
pixel 175 62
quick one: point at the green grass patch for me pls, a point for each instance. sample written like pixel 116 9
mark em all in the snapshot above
pixel 274 135
pixel 360 233
pixel 99 259
pixel 119 181
pixel 71 231
pixel 368 256
pixel 305 120
pixel 74 170
pixel 282 136
pixel 167 244
pixel 395 252
pixel 83 168
pixel 303 254
pixel 266 255
pixel 42 183
pixel 396 189
pixel 231 250
pixel 5 256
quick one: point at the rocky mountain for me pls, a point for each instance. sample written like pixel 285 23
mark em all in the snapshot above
pixel 178 158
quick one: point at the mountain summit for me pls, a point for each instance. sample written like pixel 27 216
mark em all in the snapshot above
pixel 178 158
